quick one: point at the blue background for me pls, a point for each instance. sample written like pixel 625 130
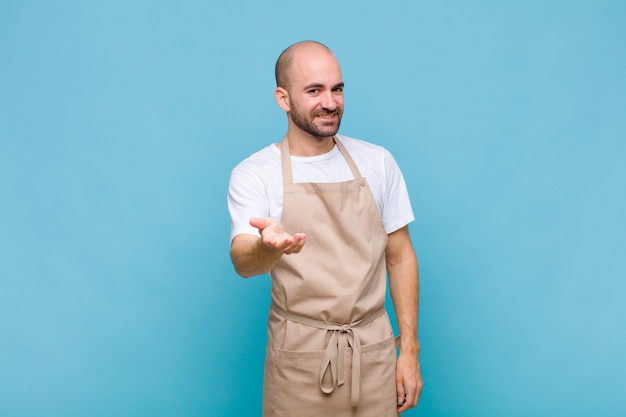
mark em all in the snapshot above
pixel 119 125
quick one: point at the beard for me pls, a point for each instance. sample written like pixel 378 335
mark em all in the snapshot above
pixel 307 123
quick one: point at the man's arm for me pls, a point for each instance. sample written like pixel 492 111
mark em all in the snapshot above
pixel 404 286
pixel 252 255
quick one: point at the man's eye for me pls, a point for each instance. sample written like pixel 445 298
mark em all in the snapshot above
pixel 339 89
pixel 314 91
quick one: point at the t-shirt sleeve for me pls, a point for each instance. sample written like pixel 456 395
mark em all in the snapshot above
pixel 246 199
pixel 397 210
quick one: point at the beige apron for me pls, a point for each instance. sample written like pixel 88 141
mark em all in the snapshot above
pixel 330 349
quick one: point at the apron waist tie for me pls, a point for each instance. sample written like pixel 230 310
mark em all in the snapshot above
pixel 334 354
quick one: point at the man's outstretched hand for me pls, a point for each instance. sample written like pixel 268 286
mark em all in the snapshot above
pixel 275 237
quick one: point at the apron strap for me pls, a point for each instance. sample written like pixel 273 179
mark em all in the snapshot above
pixel 286 161
pixel 333 361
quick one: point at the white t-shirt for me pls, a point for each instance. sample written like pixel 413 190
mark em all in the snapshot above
pixel 256 184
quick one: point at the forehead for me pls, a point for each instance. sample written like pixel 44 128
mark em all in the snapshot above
pixel 315 65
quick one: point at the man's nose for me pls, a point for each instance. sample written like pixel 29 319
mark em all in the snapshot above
pixel 328 101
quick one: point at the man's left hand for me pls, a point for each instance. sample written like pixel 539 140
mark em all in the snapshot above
pixel 409 381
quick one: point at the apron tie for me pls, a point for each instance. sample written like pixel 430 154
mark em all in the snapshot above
pixel 344 335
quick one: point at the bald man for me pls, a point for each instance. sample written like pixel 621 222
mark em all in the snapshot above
pixel 327 216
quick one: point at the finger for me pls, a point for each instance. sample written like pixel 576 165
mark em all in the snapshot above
pixel 299 240
pixel 282 244
pixel 400 392
pixel 259 222
pixel 410 399
pixel 420 385
pixel 403 406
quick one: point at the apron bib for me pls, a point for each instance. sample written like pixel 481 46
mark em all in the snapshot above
pixel 330 347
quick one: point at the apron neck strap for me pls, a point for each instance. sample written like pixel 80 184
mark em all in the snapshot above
pixel 286 160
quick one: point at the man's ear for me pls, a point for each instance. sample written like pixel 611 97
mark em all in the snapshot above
pixel 282 98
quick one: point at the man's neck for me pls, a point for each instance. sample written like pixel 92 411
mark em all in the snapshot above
pixel 304 144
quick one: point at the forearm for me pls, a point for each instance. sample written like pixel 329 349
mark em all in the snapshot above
pixel 404 288
pixel 251 257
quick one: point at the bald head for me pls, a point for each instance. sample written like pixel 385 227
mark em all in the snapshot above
pixel 310 90
pixel 286 59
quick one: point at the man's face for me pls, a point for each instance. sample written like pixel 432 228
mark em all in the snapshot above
pixel 316 94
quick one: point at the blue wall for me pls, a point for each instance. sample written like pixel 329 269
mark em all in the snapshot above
pixel 119 125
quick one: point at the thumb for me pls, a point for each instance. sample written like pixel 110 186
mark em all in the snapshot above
pixel 259 222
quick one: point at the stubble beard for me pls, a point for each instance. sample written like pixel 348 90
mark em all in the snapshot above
pixel 307 123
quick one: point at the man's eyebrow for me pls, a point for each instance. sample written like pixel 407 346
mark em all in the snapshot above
pixel 319 85
pixel 313 85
